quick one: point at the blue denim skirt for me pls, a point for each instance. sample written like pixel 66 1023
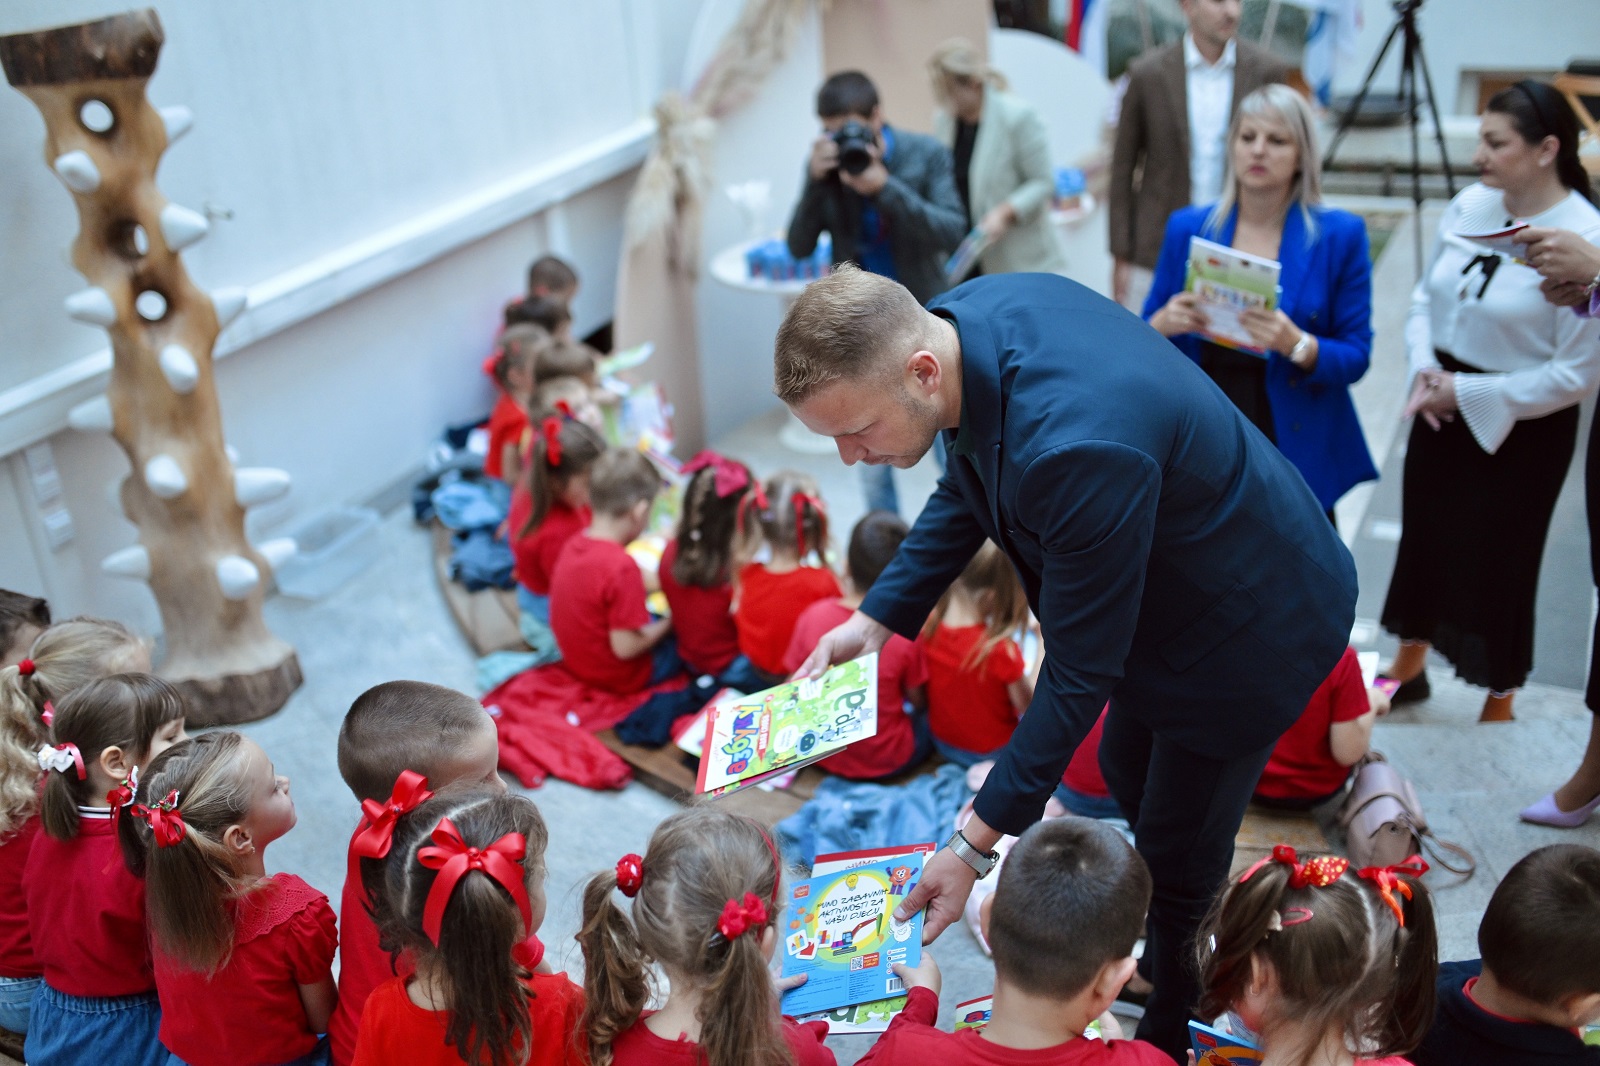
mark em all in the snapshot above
pixel 83 1031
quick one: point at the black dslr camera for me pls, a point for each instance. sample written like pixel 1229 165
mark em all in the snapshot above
pixel 855 141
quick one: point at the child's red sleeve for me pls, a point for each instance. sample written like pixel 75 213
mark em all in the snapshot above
pixel 1348 689
pixel 921 1012
pixel 625 604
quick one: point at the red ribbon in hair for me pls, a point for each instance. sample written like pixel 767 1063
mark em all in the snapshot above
pixel 739 917
pixel 61 758
pixel 564 409
pixel 165 820
pixel 410 792
pixel 122 796
pixel 48 715
pixel 1317 873
pixel 630 874
pixel 26 667
pixel 756 498
pixel 800 499
pixel 550 429
pixel 731 476
pixel 454 858
pixel 1389 881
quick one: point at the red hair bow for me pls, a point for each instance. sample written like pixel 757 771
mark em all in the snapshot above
pixel 165 820
pixel 122 796
pixel 454 858
pixel 800 499
pixel 564 409
pixel 737 918
pixel 26 667
pixel 1389 881
pixel 550 429
pixel 410 792
pixel 1320 872
pixel 48 715
pixel 731 476
pixel 630 874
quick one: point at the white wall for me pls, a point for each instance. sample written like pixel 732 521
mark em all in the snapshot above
pixel 391 166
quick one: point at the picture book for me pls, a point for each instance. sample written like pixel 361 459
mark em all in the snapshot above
pixel 751 738
pixel 974 1014
pixel 838 929
pixel 1213 1047
pixel 965 257
pixel 859 1018
pixel 1228 283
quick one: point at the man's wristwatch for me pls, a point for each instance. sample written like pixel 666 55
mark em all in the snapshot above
pixel 980 861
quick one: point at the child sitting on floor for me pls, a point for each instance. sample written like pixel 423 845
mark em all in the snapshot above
pixel 597 595
pixel 551 276
pixel 769 596
pixel 1311 762
pixel 22 619
pixel 514 364
pixel 1539 979
pixel 902 742
pixel 398 741
pixel 461 888
pixel 978 682
pixel 705 908
pixel 243 961
pixel 697 565
pixel 549 508
pixel 1070 905
pixel 1324 964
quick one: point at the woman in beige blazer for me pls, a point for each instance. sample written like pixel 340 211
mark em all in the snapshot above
pixel 1008 181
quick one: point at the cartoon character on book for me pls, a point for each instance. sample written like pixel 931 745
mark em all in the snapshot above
pixel 900 880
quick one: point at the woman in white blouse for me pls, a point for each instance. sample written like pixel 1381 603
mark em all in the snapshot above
pixel 1497 374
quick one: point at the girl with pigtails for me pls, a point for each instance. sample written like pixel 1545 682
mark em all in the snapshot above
pixel 771 595
pixel 462 889
pixel 243 961
pixel 715 532
pixel 1324 964
pixel 705 906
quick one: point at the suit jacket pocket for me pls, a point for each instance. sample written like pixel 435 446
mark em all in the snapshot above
pixel 1219 622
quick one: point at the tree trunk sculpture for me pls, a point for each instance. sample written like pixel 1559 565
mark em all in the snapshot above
pixel 103 139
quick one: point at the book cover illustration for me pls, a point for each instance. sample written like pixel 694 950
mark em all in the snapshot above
pixel 1213 1047
pixel 975 1013
pixel 751 738
pixel 838 929
pixel 1228 283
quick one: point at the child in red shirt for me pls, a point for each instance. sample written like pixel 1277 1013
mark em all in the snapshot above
pixel 98 1001
pixel 462 889
pixel 705 910
pixel 978 683
pixel 697 567
pixel 597 598
pixel 513 367
pixel 1312 761
pixel 1062 922
pixel 902 742
pixel 243 961
pixel 770 596
pixel 548 509
pixel 398 740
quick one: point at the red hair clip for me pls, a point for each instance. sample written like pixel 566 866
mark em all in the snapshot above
pixel 26 667
pixel 564 409
pixel 61 758
pixel 164 819
pixel 739 917
pixel 800 499
pixel 48 714
pixel 1389 881
pixel 630 874
pixel 550 429
pixel 731 476
pixel 410 792
pixel 1320 872
pixel 454 858
pixel 122 796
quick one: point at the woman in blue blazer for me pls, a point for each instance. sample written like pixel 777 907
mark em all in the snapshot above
pixel 1319 341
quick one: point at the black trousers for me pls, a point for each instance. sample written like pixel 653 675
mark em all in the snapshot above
pixel 1185 810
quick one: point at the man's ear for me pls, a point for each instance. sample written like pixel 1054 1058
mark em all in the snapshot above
pixel 924 369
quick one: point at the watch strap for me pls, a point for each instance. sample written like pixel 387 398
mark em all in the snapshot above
pixel 982 862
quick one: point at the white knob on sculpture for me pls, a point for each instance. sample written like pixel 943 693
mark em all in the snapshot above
pixel 181 227
pixel 179 368
pixel 229 303
pixel 258 484
pixel 278 551
pixel 131 562
pixel 178 120
pixel 91 416
pixel 92 306
pixel 238 576
pixel 165 477
pixel 78 172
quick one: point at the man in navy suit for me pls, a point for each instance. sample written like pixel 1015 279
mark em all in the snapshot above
pixel 1178 564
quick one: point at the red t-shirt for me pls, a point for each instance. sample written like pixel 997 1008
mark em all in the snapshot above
pixel 363 965
pixel 284 936
pixel 900 667
pixel 534 556
pixel 397 1032
pixel 970 709
pixel 702 619
pixel 638 1046
pixel 506 423
pixel 769 606
pixel 911 1040
pixel 1302 765
pixel 94 908
pixel 597 588
pixel 1083 772
pixel 16 952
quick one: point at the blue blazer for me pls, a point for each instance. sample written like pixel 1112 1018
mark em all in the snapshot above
pixel 1327 291
pixel 1177 563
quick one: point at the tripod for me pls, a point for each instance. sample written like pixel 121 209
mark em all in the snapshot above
pixel 1411 60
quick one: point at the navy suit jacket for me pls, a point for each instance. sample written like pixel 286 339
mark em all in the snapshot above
pixel 1176 561
pixel 1326 280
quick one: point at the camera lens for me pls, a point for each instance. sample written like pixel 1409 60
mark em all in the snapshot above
pixel 855 141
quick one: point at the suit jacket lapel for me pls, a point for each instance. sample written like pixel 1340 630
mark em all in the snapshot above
pixel 1293 258
pixel 1178 97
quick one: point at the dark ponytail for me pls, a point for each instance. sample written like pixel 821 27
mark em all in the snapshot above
pixel 1411 1008
pixel 709 530
pixel 616 982
pixel 580 447
pixel 1537 111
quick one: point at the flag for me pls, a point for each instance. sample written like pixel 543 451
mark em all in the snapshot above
pixel 1330 40
pixel 1085 30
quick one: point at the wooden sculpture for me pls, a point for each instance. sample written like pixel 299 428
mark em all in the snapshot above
pixel 103 139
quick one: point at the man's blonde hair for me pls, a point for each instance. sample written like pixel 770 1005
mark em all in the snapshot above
pixel 843 326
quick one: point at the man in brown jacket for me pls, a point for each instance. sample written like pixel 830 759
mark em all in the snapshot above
pixel 1170 148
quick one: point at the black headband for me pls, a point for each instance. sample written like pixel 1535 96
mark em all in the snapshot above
pixel 1538 109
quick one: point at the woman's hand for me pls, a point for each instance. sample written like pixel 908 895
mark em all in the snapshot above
pixel 1560 255
pixel 1276 332
pixel 1433 397
pixel 1564 293
pixel 1000 218
pixel 1181 314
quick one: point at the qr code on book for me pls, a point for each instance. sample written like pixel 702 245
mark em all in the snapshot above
pixel 894 986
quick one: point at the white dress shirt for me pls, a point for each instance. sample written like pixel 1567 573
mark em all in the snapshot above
pixel 1539 358
pixel 1210 91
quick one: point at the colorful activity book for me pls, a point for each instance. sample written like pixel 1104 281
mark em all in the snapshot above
pixel 1229 282
pixel 974 1014
pixel 751 738
pixel 838 929
pixel 1213 1047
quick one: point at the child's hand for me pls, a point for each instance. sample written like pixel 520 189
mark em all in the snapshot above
pixel 924 975
pixel 784 984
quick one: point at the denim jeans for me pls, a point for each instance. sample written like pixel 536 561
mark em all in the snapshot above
pixel 16 1002
pixel 960 756
pixel 72 1030
pixel 1087 806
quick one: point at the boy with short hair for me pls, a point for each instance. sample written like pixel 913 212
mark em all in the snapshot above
pixel 597 595
pixel 448 738
pixel 903 741
pixel 551 276
pixel 1538 982
pixel 22 619
pixel 1062 923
